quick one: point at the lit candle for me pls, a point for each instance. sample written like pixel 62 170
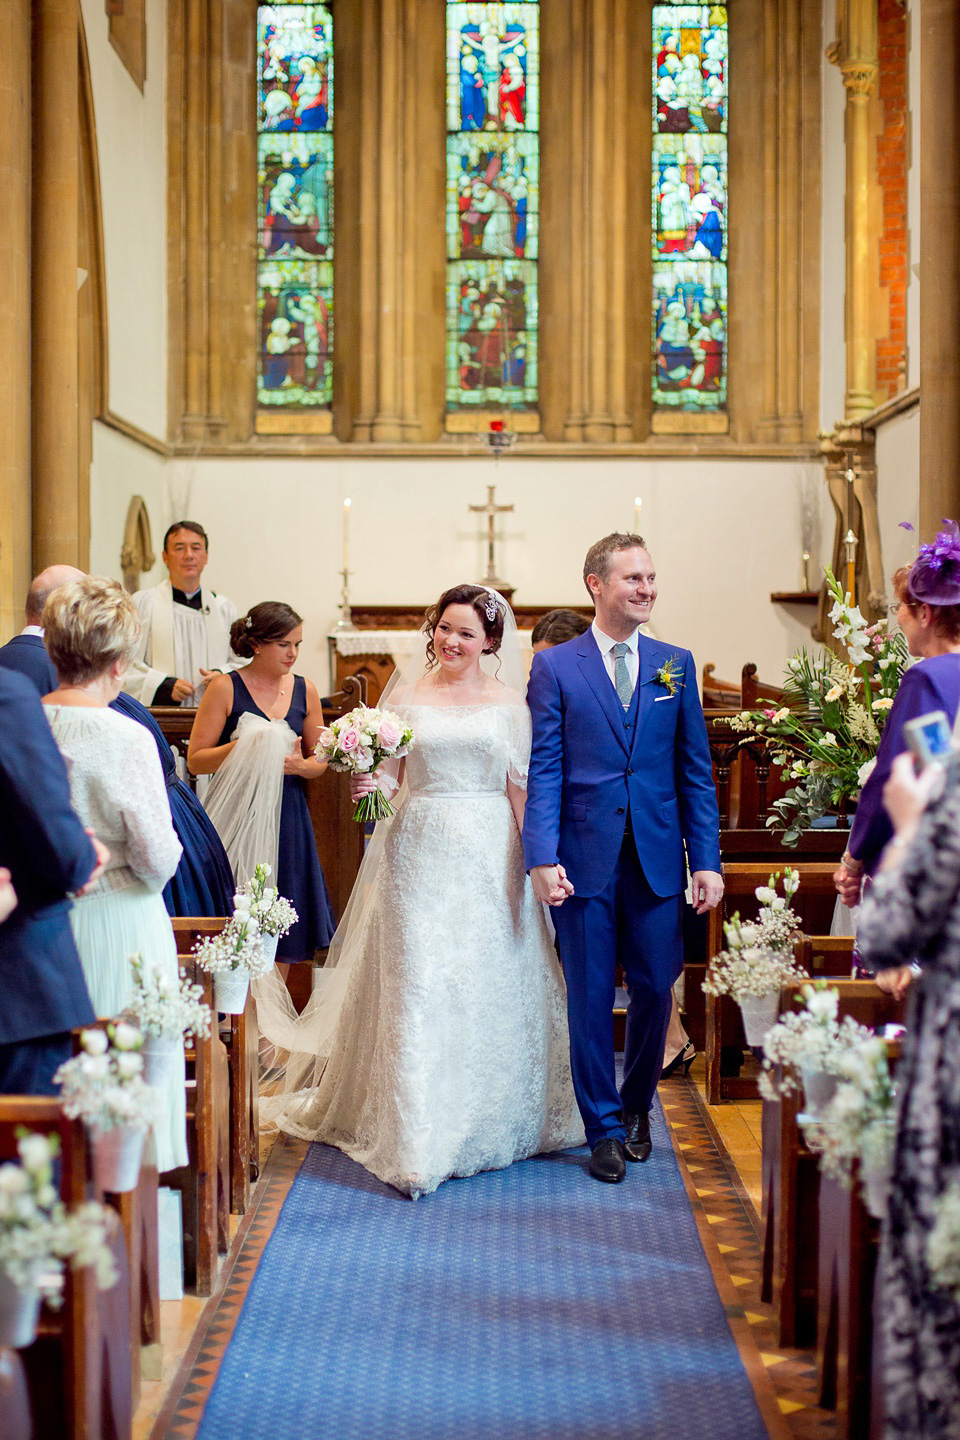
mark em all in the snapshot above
pixel 346 534
pixel 637 502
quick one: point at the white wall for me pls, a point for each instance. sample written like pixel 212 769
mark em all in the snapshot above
pixel 723 534
pixel 131 139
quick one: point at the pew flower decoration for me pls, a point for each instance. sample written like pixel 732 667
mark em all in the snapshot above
pixel 759 954
pixel 272 911
pixel 238 947
pixel 360 741
pixel 824 738
pixel 811 1039
pixel 39 1236
pixel 858 1122
pixel 162 1006
pixel 104 1086
pixel 943 1242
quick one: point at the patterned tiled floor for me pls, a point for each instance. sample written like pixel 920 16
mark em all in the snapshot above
pixel 729 1226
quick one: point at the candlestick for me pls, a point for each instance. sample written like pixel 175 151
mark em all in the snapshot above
pixel 637 502
pixel 346 534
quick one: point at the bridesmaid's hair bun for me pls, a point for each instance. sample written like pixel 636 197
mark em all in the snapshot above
pixel 488 610
pixel 268 621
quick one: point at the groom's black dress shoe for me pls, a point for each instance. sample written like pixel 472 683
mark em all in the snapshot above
pixel 637 1145
pixel 607 1161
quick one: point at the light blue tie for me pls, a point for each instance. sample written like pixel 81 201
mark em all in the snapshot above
pixel 621 676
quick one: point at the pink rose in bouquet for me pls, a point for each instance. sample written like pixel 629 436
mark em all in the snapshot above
pixel 389 733
pixel 349 740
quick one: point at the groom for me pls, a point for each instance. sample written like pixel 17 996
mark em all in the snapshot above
pixel 620 780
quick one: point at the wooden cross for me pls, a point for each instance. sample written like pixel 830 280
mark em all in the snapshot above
pixel 491 510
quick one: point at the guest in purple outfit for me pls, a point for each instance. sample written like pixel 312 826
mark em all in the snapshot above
pixel 928 612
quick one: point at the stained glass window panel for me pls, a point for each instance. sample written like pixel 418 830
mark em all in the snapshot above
pixel 493 205
pixel 295 206
pixel 689 208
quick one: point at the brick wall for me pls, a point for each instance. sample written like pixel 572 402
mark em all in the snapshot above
pixel 892 176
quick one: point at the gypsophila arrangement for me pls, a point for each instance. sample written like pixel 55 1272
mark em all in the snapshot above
pixel 759 954
pixel 273 912
pixel 357 743
pixel 162 1005
pixel 824 738
pixel 943 1242
pixel 39 1236
pixel 858 1122
pixel 238 946
pixel 104 1086
pixel 812 1037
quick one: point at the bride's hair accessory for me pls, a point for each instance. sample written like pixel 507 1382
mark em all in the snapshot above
pixel 491 606
pixel 249 623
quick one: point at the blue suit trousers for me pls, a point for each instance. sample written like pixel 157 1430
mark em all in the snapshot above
pixel 626 924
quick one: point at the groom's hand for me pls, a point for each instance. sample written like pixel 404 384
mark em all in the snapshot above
pixel 706 890
pixel 550 884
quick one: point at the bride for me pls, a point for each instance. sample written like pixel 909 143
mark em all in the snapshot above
pixel 436 1042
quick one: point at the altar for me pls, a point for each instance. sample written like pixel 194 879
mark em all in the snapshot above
pixel 379 636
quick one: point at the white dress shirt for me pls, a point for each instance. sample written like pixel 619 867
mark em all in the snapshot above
pixel 632 657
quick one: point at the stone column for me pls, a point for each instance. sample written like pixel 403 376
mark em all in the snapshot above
pixel 15 559
pixel 55 210
pixel 939 264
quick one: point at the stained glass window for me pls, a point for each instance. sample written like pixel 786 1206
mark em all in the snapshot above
pixel 295 207
pixel 689 208
pixel 493 184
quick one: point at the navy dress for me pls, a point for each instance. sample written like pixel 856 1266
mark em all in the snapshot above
pixel 203 882
pixel 299 876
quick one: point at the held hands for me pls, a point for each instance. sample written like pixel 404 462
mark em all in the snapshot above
pixel 706 890
pixel 103 855
pixel 550 884
pixel 847 880
pixel 182 690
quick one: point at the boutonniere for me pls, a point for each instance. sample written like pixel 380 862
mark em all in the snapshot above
pixel 670 675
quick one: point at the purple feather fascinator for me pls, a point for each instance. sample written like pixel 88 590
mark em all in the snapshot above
pixel 934 577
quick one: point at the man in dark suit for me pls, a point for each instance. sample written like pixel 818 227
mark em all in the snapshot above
pixel 50 856
pixel 620 785
pixel 26 652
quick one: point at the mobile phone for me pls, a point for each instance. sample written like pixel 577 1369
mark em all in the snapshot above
pixel 930 738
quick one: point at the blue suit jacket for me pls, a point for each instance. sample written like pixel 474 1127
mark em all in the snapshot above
pixel 27 654
pixel 932 684
pixel 587 778
pixel 48 852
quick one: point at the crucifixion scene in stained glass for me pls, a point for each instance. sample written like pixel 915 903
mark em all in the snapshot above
pixel 689 207
pixel 492 219
pixel 295 205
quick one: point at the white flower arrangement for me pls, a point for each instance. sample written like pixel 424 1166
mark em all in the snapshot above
pixel 812 1036
pixel 104 1086
pixel 164 1006
pixel 273 912
pixel 858 1122
pixel 237 947
pixel 38 1234
pixel 357 743
pixel 943 1242
pixel 759 954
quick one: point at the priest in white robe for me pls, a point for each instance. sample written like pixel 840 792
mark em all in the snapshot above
pixel 186 628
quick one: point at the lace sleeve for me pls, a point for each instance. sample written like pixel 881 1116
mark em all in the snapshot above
pixel 153 850
pixel 517 729
pixel 906 910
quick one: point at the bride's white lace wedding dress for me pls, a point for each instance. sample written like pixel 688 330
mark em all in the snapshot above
pixel 451 1053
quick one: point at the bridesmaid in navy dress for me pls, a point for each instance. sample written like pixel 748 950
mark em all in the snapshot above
pixel 271 635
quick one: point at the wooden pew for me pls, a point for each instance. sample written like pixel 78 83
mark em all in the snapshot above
pixel 847 1253
pixel 240 1036
pixel 791 1182
pixel 79 1367
pixel 204 1182
pixel 814 903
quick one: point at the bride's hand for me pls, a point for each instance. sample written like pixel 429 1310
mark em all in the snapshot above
pixel 361 785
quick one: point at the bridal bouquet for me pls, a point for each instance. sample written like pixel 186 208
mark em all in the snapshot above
pixel 357 743
pixel 825 736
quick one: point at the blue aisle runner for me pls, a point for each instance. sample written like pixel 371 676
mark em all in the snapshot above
pixel 525 1304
